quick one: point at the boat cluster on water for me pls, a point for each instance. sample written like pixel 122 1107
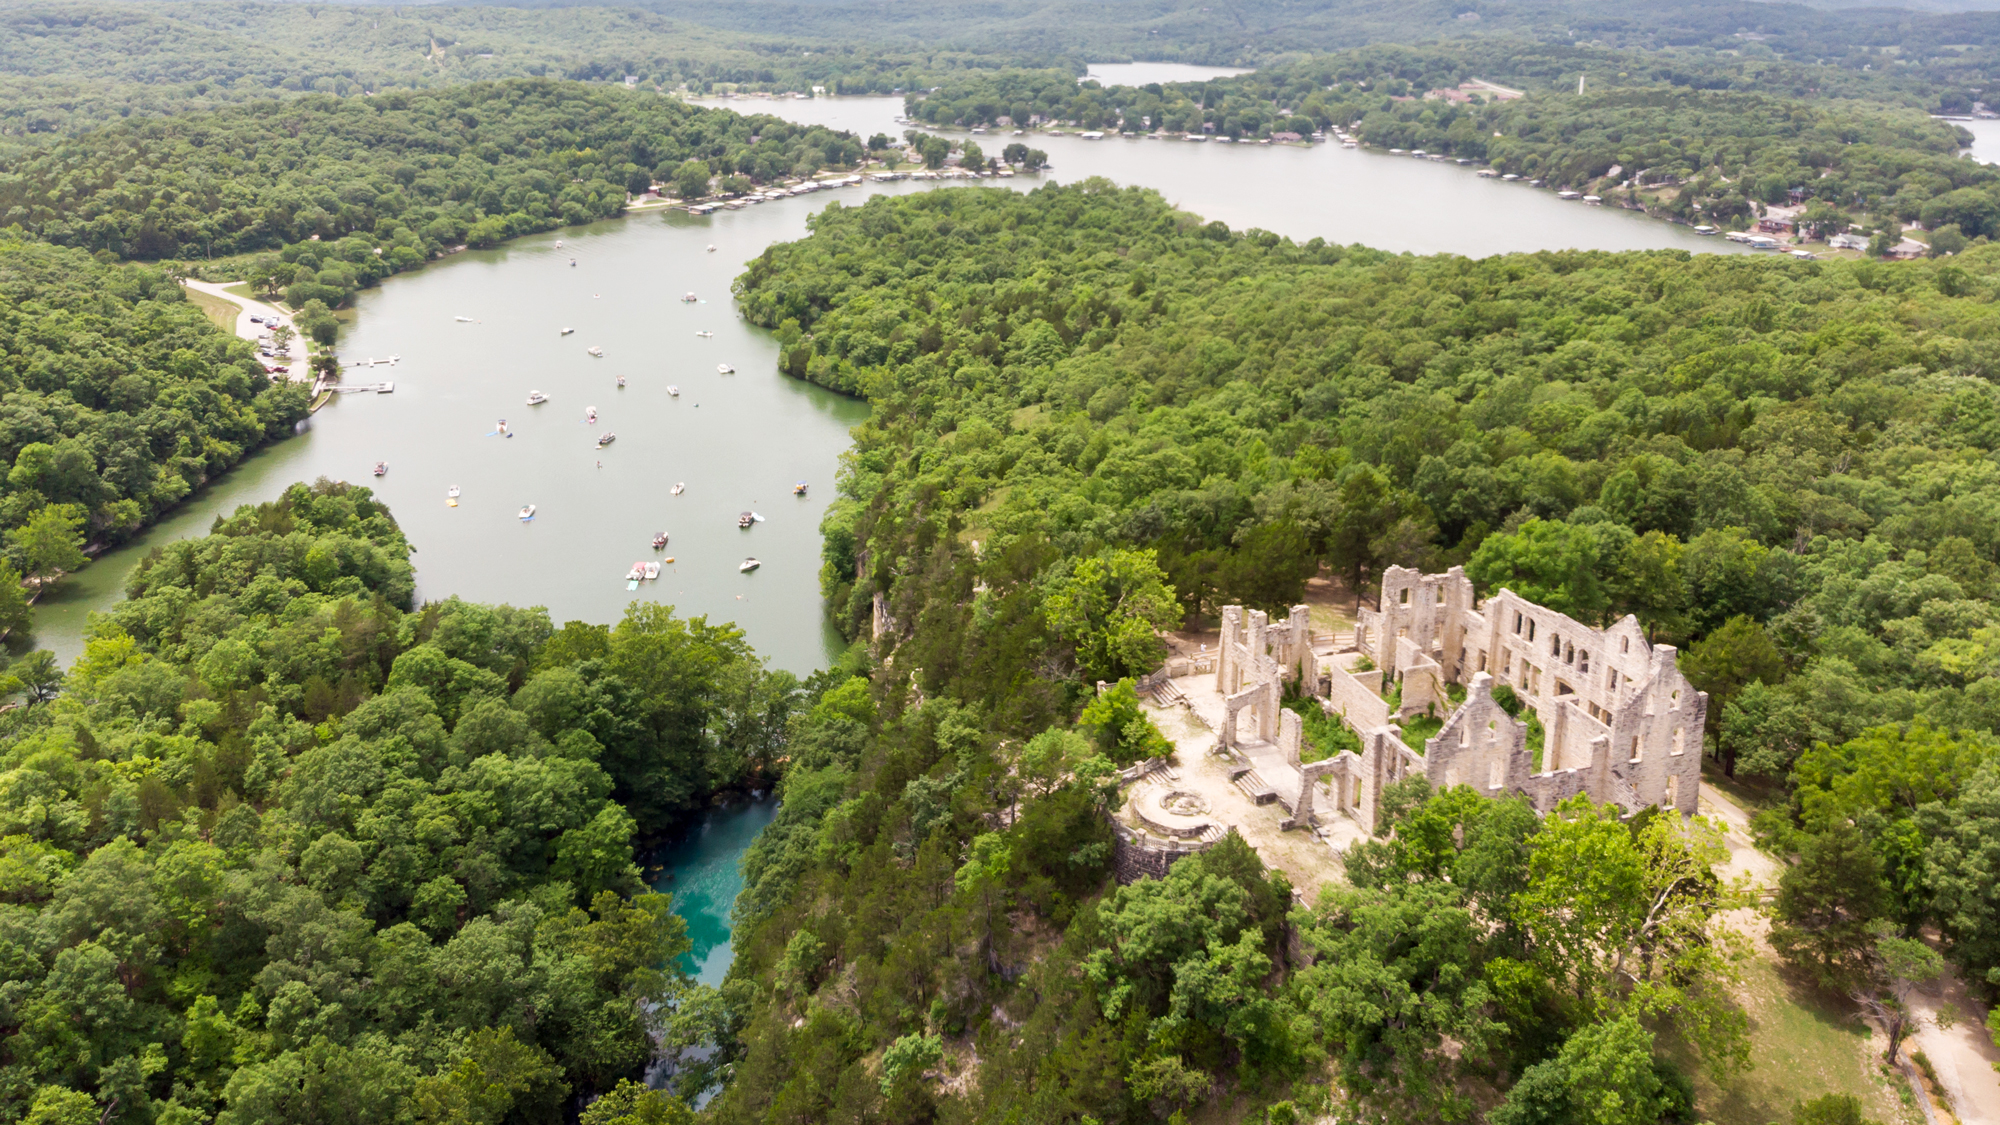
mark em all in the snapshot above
pixel 640 571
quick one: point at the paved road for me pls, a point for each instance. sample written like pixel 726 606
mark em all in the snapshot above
pixel 299 370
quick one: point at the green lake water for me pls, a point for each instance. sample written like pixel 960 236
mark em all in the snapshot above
pixel 702 871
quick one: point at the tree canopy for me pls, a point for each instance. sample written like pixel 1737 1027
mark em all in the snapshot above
pixel 287 848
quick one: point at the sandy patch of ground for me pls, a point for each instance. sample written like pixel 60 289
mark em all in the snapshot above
pixel 1308 860
pixel 1963 1057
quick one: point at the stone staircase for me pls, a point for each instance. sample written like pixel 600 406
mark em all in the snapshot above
pixel 1253 785
pixel 1167 695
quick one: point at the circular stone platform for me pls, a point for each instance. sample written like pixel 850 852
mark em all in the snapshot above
pixel 1170 812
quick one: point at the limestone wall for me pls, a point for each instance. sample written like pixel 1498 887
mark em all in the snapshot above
pixel 1481 745
pixel 1422 679
pixel 1134 856
pixel 1351 695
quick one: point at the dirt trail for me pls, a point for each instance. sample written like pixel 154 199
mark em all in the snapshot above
pixel 1963 1057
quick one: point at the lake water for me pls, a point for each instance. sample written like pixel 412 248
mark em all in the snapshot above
pixel 701 870
pixel 1985 139
pixel 1323 191
pixel 739 441
pixel 1140 73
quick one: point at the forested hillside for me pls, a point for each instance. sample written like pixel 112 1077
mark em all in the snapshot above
pixel 1083 397
pixel 118 398
pixel 1266 31
pixel 1700 139
pixel 1370 75
pixel 285 848
pixel 71 66
pixel 353 189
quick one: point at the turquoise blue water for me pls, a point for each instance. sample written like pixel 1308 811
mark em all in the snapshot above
pixel 703 872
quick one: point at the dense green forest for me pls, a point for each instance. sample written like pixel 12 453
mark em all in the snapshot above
pixel 282 848
pixel 71 66
pixel 118 399
pixel 349 190
pixel 1084 398
pixel 1960 48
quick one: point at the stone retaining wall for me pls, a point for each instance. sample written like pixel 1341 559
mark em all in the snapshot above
pixel 1134 856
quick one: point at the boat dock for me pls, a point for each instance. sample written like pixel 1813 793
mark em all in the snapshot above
pixel 354 388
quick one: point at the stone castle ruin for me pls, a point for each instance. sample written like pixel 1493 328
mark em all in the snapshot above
pixel 1620 723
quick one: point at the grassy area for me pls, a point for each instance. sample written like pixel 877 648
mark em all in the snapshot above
pixel 1419 729
pixel 222 312
pixel 1802 1044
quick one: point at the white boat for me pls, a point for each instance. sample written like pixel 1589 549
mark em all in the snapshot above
pixel 395 359
pixel 748 565
pixel 688 298
pixel 590 415
pixel 704 335
pixel 621 380
pixel 528 512
pixel 606 438
pixel 637 572
pixel 679 488
pixel 756 517
pixel 799 489
pixel 652 571
pixel 567 331
pixel 711 247
pixel 500 428
pixel 465 320
pixel 451 497
pixel 673 391
pixel 725 369
pixel 536 398
pixel 595 350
